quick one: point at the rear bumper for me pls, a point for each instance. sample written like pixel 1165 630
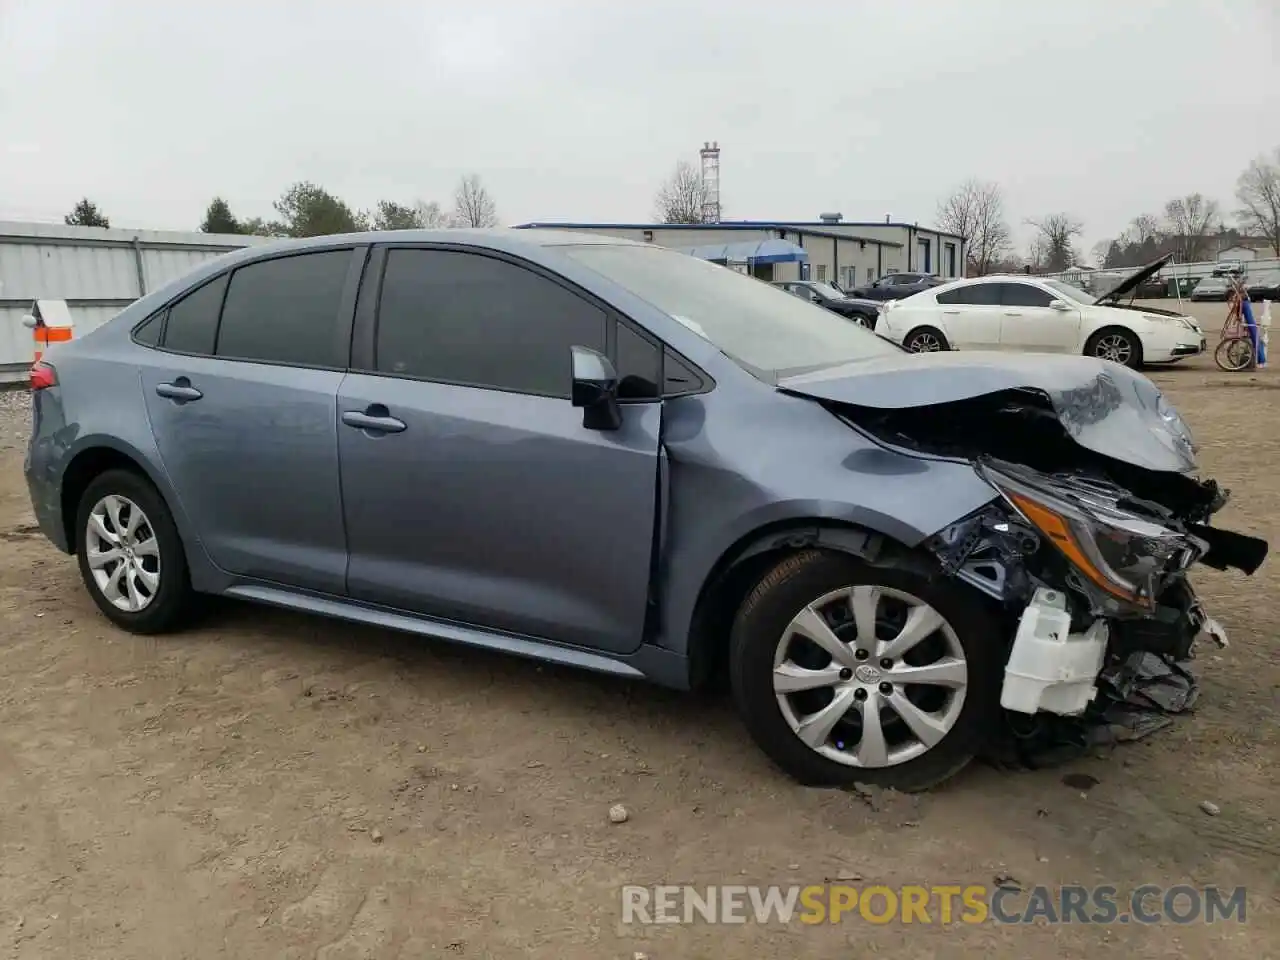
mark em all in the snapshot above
pixel 46 501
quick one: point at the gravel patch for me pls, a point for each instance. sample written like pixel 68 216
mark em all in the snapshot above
pixel 15 418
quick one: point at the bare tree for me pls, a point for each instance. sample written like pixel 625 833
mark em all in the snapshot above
pixel 1191 219
pixel 429 215
pixel 975 211
pixel 1053 248
pixel 472 205
pixel 1143 227
pixel 1258 191
pixel 1037 253
pixel 682 198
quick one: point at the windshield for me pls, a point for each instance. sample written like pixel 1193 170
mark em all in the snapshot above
pixel 827 290
pixel 1070 292
pixel 762 328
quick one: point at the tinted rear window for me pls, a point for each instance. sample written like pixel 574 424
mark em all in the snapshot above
pixel 193 320
pixel 286 310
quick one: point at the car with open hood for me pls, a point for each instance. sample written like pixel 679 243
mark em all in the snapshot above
pixel 1020 312
pixel 613 456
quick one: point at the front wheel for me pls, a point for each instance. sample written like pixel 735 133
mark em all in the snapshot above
pixel 846 672
pixel 1116 345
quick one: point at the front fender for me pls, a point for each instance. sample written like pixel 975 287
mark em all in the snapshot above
pixel 787 462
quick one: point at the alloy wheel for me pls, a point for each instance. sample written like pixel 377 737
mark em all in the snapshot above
pixel 925 343
pixel 870 676
pixel 1114 347
pixel 123 553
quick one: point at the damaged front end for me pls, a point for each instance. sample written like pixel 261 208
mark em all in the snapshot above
pixel 1086 549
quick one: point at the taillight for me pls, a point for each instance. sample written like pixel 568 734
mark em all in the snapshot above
pixel 43 375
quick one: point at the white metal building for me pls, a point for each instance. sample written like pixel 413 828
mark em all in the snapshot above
pixel 97 271
pixel 850 253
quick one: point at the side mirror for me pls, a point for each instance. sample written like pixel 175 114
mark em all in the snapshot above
pixel 29 321
pixel 595 389
pixel 1059 304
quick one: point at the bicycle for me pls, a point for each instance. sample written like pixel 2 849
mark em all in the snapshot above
pixel 1236 351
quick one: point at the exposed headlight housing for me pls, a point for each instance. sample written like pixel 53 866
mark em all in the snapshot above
pixel 1177 426
pixel 1122 557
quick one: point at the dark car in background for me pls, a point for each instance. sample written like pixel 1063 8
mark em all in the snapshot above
pixel 895 286
pixel 832 298
pixel 1261 290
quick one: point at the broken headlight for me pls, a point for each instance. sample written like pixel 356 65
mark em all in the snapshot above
pixel 1124 556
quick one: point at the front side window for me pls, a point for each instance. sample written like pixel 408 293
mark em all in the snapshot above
pixel 1024 295
pixel 286 310
pixel 480 321
pixel 765 330
pixel 192 325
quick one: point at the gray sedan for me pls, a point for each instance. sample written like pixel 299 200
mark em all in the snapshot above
pixel 614 456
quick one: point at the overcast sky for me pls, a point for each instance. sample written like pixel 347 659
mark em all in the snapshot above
pixel 577 109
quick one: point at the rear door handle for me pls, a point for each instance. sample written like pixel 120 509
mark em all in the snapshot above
pixel 1012 313
pixel 180 390
pixel 375 418
pixel 951 312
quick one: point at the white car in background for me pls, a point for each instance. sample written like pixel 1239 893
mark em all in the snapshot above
pixel 1032 314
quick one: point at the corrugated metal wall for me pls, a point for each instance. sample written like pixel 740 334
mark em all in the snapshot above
pixel 98 272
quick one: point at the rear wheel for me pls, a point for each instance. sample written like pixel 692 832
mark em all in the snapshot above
pixel 131 558
pixel 1116 345
pixel 846 672
pixel 925 340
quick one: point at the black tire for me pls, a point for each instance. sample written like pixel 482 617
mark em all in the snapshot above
pixel 801 579
pixel 1134 362
pixel 917 340
pixel 172 601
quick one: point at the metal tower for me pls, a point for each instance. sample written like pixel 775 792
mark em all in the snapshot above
pixel 710 154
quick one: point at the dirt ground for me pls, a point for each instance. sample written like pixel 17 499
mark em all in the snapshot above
pixel 273 785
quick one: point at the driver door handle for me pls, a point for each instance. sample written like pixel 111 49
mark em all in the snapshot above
pixel 1012 313
pixel 375 418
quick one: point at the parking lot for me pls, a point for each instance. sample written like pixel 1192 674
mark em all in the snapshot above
pixel 273 785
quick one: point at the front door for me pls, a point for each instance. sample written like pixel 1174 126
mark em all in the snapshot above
pixel 243 416
pixel 471 490
pixel 1029 323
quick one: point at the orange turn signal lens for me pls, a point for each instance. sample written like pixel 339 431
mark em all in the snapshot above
pixel 1059 531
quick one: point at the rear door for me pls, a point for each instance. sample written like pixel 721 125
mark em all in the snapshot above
pixel 1028 323
pixel 971 316
pixel 241 394
pixel 471 489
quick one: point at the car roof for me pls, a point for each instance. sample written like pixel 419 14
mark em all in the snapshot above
pixel 505 238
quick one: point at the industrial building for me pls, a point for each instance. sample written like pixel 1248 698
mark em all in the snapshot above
pixel 97 273
pixel 846 253
pixel 829 248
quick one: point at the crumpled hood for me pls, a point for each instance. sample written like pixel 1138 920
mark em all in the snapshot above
pixel 1103 406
